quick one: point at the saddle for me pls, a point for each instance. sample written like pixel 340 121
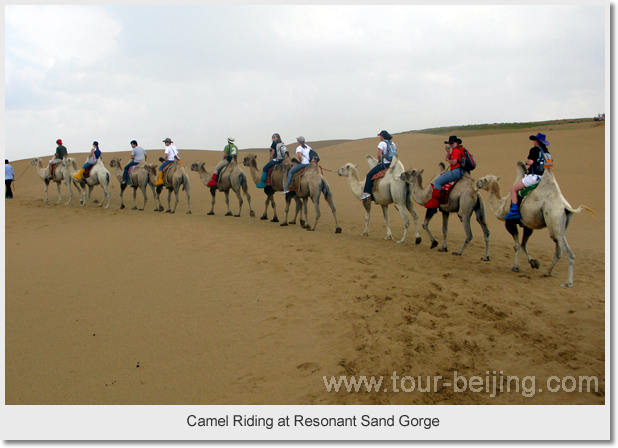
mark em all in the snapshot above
pixel 445 192
pixel 376 178
pixel 295 183
pixel 522 194
pixel 271 171
pixel 52 168
pixel 87 172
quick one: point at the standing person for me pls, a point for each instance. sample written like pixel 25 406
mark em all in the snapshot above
pixel 454 151
pixel 277 153
pixel 170 153
pixel 229 152
pixel 9 177
pixel 137 155
pixel 386 150
pixel 61 153
pixel 536 167
pixel 93 158
pixel 303 155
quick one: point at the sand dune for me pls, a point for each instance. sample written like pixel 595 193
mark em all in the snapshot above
pixel 109 306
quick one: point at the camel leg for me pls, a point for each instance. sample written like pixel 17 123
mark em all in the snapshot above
pixel 134 197
pixel 465 220
pixel 406 222
pixel 329 199
pixel 272 201
pixel 305 203
pixel 534 264
pixel 562 243
pixel 389 235
pixel 68 184
pixel 227 202
pixel 187 187
pixel 46 187
pixel 480 217
pixel 240 202
pixel 557 256
pixel 445 216
pixel 367 205
pixel 169 201
pixel 288 201
pixel 213 192
pixel 90 188
pixel 248 196
pixel 512 229
pixel 265 215
pixel 410 208
pixel 59 198
pixel 143 188
pixel 316 206
pixel 109 196
pixel 428 215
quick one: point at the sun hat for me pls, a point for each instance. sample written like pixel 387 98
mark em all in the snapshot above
pixel 231 139
pixel 168 140
pixel 386 135
pixel 300 139
pixel 59 141
pixel 453 139
pixel 540 137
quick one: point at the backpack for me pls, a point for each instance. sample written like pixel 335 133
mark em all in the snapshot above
pixel 467 160
pixel 280 151
pixel 545 160
pixel 313 155
pixel 391 150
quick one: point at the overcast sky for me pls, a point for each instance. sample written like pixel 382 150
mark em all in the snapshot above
pixel 199 74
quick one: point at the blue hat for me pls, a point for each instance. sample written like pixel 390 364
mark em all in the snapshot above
pixel 540 137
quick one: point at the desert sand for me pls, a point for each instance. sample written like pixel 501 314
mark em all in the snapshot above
pixel 110 306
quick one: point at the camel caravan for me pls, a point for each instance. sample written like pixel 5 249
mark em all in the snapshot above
pixel 535 200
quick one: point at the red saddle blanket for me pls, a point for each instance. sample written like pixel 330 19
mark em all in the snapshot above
pixel 445 191
pixel 376 178
pixel 87 172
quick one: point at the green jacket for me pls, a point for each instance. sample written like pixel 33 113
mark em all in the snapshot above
pixel 61 151
pixel 231 150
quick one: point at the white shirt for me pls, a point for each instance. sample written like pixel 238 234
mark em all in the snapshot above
pixel 303 153
pixel 170 152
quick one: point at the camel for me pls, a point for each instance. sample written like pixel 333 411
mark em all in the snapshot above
pixel 543 207
pixel 390 190
pixel 279 177
pixel 174 177
pixel 139 179
pixel 98 176
pixel 312 185
pixel 232 177
pixel 60 174
pixel 464 199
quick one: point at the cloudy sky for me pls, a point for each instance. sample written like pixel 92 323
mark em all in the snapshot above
pixel 198 74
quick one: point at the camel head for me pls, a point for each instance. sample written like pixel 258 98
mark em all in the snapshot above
pixel 151 169
pixel 69 161
pixel 484 182
pixel 249 160
pixel 412 176
pixel 347 169
pixel 195 166
pixel 114 162
pixel 36 162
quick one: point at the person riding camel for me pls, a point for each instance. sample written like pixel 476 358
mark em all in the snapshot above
pixel 170 153
pixel 454 151
pixel 229 152
pixel 386 150
pixel 93 158
pixel 537 162
pixel 61 153
pixel 277 154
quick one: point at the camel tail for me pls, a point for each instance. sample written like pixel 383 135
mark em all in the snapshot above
pixel 580 208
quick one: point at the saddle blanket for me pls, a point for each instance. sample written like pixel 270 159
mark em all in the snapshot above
pixel 376 178
pixel 87 172
pixel 295 183
pixel 445 191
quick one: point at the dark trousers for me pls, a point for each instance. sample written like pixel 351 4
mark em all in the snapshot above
pixel 370 174
pixel 125 174
pixel 9 192
pixel 270 164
